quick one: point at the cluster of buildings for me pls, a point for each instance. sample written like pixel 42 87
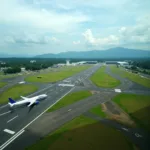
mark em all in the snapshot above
pixel 120 63
pixel 75 63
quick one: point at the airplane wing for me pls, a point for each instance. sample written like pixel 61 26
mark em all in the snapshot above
pixel 31 103
pixel 23 97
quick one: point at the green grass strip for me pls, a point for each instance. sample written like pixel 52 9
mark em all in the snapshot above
pixel 102 79
pixel 131 76
pixel 98 111
pixel 16 91
pixel 56 76
pixel 69 99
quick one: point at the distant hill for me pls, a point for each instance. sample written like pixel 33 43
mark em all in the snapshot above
pixel 5 55
pixel 117 52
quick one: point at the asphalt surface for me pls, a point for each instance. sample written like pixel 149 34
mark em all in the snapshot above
pixel 21 118
pixel 28 132
pixel 136 135
pixel 51 121
pixel 11 82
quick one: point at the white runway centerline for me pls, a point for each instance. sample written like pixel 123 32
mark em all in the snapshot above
pixel 9 131
pixel 12 119
pixel 3 106
pixel 5 113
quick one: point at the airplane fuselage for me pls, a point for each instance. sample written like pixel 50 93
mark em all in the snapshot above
pixel 28 101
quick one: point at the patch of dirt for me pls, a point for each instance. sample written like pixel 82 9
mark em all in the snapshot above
pixel 117 114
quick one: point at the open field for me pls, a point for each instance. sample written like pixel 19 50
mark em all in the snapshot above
pixel 2 84
pixel 137 106
pixel 101 79
pixel 58 75
pixel 98 111
pixel 131 76
pixel 69 99
pixel 85 134
pixel 16 91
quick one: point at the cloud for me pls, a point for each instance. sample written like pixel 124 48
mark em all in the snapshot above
pixel 39 24
pixel 39 18
pixel 126 35
pixel 76 42
pixel 140 33
pixel 92 41
pixel 31 39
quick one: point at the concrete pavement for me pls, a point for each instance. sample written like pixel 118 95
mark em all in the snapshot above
pixel 27 130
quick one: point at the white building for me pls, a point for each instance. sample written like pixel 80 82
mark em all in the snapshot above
pixel 32 61
pixel 67 62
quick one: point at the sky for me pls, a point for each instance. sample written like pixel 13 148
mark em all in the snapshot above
pixel 35 27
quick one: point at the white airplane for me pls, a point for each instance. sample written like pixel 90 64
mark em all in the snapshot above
pixel 30 102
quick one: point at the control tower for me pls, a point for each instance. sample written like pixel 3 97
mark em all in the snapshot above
pixel 67 62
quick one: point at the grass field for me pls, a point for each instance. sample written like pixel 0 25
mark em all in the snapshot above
pixel 137 106
pixel 101 79
pixel 56 76
pixel 16 91
pixel 2 84
pixel 98 111
pixel 69 99
pixel 131 76
pixel 83 133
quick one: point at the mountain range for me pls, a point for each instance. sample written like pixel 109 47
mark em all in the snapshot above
pixel 118 52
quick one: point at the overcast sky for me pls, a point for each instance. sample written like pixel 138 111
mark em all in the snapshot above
pixel 53 26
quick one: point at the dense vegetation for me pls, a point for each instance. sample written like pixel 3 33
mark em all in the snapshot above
pixel 12 70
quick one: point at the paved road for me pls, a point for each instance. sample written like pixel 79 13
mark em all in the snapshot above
pixel 19 119
pixel 11 82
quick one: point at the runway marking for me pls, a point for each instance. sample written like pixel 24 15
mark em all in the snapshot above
pixel 40 91
pixel 22 130
pixel 9 131
pixel 125 129
pixel 118 90
pixel 66 85
pixel 3 106
pixel 12 119
pixel 5 113
pixel 138 135
pixel 69 109
pixel 12 139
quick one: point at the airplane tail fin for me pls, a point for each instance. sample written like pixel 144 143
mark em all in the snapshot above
pixel 11 101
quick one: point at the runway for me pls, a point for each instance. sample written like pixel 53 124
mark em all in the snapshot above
pixel 49 122
pixel 55 92
pixel 20 126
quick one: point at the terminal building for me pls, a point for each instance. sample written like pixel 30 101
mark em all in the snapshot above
pixel 121 63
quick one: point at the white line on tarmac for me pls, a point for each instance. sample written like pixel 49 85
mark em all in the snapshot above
pixel 9 131
pixel 69 110
pixel 138 135
pixel 40 90
pixel 5 113
pixel 3 106
pixel 22 130
pixel 12 119
pixel 12 139
pixel 125 129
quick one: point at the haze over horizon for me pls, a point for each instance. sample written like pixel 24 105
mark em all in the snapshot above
pixel 44 26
